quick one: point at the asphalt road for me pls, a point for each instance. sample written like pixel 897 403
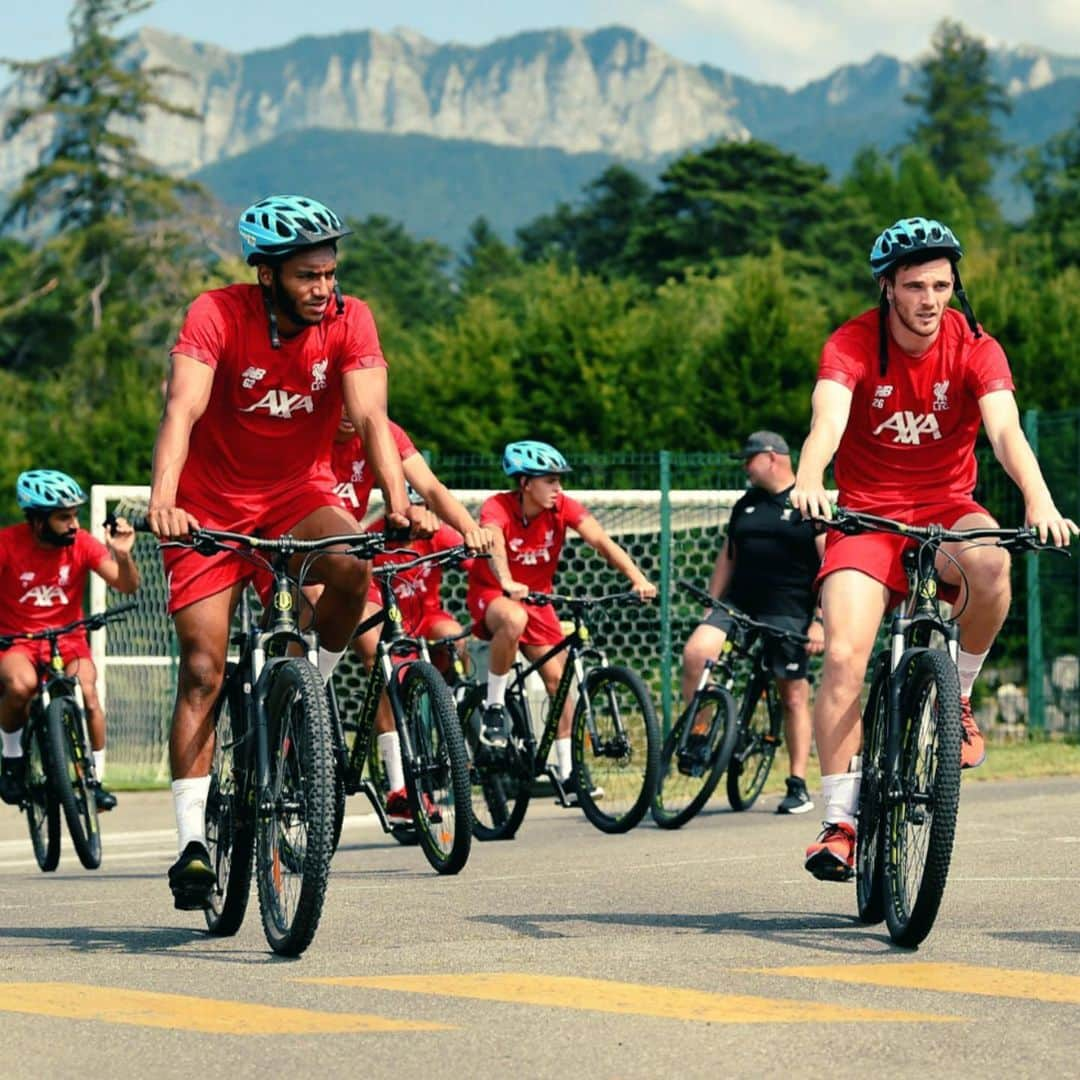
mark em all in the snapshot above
pixel 706 952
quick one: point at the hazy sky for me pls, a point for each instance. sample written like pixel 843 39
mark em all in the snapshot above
pixel 783 41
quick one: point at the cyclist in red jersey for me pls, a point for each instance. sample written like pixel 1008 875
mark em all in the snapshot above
pixel 534 518
pixel 259 376
pixel 900 395
pixel 44 565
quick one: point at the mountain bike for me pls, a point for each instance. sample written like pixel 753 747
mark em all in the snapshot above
pixel 910 791
pixel 56 746
pixel 717 732
pixel 615 741
pixel 272 781
pixel 432 750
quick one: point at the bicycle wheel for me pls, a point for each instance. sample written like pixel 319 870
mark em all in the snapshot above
pixel 870 842
pixel 69 775
pixel 760 724
pixel 230 825
pixel 921 820
pixel 688 777
pixel 295 828
pixel 615 743
pixel 500 793
pixel 437 776
pixel 42 809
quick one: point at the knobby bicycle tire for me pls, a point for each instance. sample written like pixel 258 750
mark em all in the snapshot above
pixel 870 843
pixel 294 831
pixel 616 777
pixel 66 761
pixel 499 787
pixel 760 725
pixel 230 815
pixel 437 775
pixel 921 820
pixel 42 808
pixel 685 785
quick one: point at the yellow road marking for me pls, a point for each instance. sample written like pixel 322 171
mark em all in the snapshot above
pixel 596 995
pixel 951 978
pixel 147 1009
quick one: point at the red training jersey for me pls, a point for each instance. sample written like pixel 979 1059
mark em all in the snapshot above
pixel 353 478
pixel 272 412
pixel 42 587
pixel 910 437
pixel 533 547
pixel 419 590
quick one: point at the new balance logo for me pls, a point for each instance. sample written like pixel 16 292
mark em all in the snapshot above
pixel 251 376
pixel 880 394
pixel 910 427
pixel 44 596
pixel 282 405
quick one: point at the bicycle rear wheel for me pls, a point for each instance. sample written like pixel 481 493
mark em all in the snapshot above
pixel 615 743
pixel 688 777
pixel 69 774
pixel 760 725
pixel 870 843
pixel 42 809
pixel 921 820
pixel 295 825
pixel 230 824
pixel 437 776
pixel 500 793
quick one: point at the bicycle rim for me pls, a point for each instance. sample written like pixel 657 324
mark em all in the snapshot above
pixel 922 811
pixel 69 772
pixel 759 736
pixel 615 743
pixel 870 846
pixel 296 820
pixel 689 772
pixel 42 809
pixel 438 774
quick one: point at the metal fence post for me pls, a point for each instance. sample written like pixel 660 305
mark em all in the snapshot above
pixel 1036 672
pixel 665 588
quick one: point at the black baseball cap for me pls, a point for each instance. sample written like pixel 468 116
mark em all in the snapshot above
pixel 761 441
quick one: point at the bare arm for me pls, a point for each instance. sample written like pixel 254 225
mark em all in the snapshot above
pixel 186 398
pixel 722 573
pixel 1001 419
pixel 438 496
pixel 365 404
pixel 831 404
pixel 593 533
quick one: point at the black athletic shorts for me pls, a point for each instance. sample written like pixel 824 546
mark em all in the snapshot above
pixel 786 659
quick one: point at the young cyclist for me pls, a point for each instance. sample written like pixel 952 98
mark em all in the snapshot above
pixel 899 399
pixel 44 564
pixel 533 518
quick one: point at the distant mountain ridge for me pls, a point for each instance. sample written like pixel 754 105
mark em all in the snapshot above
pixel 609 92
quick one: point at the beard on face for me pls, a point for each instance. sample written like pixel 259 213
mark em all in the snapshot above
pixel 287 306
pixel 49 535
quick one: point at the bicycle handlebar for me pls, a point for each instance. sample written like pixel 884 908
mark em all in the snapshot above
pixel 90 622
pixel 582 602
pixel 436 558
pixel 740 617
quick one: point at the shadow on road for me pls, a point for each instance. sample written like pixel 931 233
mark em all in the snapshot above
pixel 1058 940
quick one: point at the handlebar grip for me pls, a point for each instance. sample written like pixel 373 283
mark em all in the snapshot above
pixel 137 522
pixel 6 643
pixel 395 534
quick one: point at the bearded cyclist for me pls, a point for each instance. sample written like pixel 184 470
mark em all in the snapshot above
pixel 899 399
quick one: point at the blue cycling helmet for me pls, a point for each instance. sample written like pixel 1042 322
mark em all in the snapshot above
pixel 531 458
pixel 283 224
pixel 911 236
pixel 47 490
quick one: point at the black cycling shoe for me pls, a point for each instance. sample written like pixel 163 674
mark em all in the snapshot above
pixel 192 878
pixel 566 791
pixel 494 728
pixel 104 799
pixel 13 780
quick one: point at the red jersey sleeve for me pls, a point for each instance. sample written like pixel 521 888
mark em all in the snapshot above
pixel 571 512
pixel 987 368
pixel 205 331
pixel 404 444
pixel 494 513
pixel 843 358
pixel 360 347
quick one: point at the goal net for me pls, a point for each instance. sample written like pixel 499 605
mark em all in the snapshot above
pixel 668 538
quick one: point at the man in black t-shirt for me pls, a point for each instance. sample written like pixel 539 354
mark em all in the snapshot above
pixel 767 569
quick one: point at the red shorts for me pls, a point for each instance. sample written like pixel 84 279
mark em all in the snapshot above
pixel 193 577
pixel 72 647
pixel 542 628
pixel 417 620
pixel 878 555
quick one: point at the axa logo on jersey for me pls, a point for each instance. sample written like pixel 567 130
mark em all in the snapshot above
pixel 910 428
pixel 282 405
pixel 44 596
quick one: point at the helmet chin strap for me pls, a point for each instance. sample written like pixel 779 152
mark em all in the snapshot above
pixel 271 315
pixel 339 297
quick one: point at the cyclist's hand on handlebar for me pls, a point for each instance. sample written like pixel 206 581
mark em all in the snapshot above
pixel 644 588
pixel 816 633
pixel 422 522
pixel 811 500
pixel 515 590
pixel 170 522
pixel 1047 521
pixel 480 540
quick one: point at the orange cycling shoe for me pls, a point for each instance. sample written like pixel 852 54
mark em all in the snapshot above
pixel 832 856
pixel 973 748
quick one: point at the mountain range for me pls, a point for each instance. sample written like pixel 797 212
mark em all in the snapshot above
pixel 436 134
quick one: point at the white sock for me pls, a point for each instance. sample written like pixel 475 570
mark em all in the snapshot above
pixel 968 666
pixel 99 764
pixel 389 744
pixel 328 661
pixel 563 761
pixel 496 688
pixel 841 794
pixel 12 743
pixel 189 802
